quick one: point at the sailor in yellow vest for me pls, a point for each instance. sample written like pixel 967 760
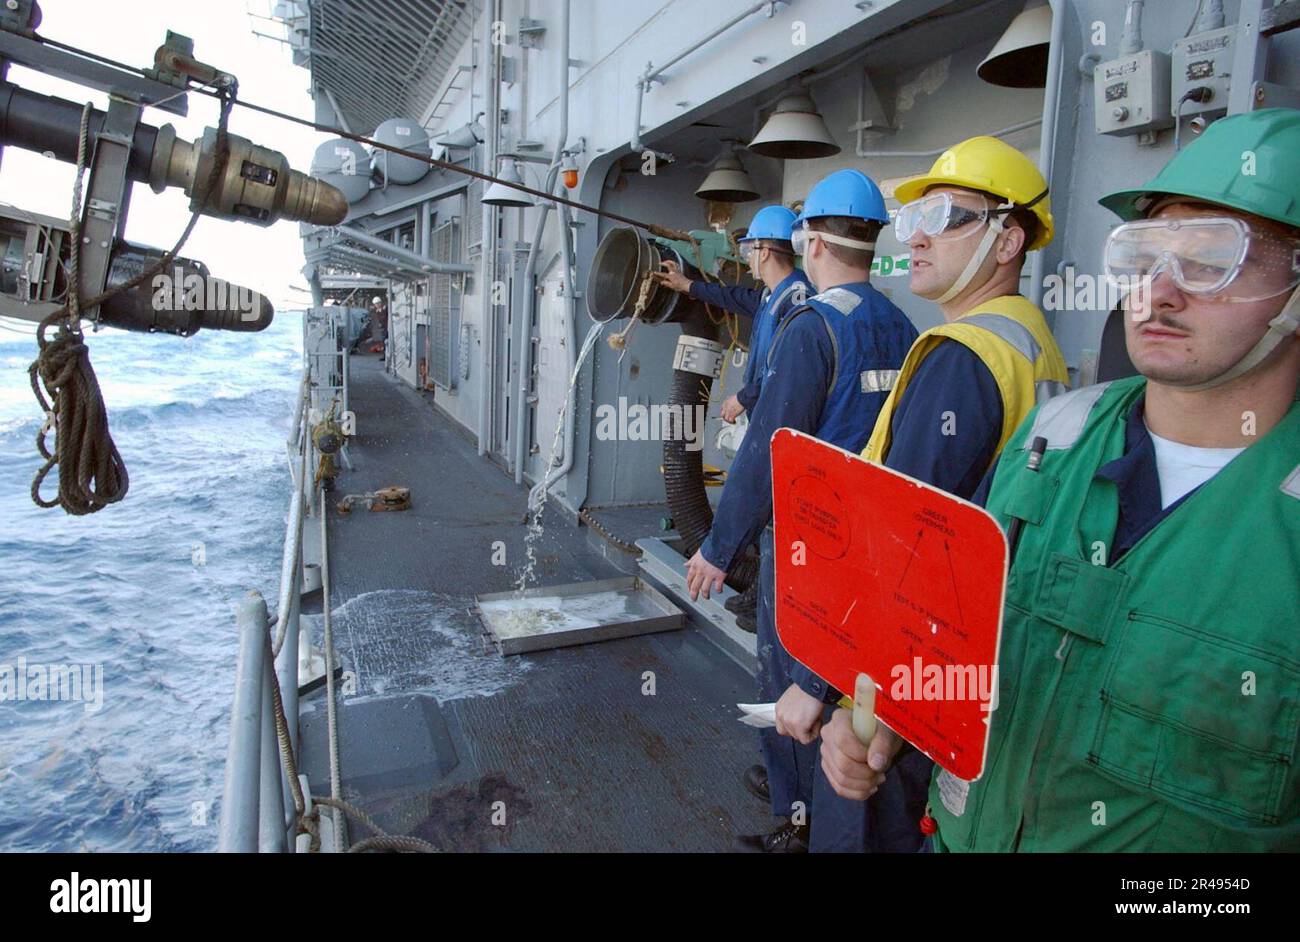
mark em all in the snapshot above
pixel 963 389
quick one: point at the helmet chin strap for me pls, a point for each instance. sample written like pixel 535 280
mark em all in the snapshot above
pixel 981 252
pixel 1279 329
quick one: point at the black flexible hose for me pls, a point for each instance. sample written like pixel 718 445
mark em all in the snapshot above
pixel 688 500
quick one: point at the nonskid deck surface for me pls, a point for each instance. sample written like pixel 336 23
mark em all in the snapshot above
pixel 619 745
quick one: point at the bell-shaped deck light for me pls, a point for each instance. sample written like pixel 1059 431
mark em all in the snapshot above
pixel 795 131
pixel 727 182
pixel 1019 60
pixel 465 137
pixel 498 194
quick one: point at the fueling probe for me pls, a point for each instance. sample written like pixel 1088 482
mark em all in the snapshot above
pixel 226 176
pixel 59 274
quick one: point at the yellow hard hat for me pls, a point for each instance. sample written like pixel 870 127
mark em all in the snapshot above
pixel 991 165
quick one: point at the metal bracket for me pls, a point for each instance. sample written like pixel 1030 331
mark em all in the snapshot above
pixel 108 194
pixel 872 114
pixel 16 15
pixel 73 68
pixel 531 33
pixel 182 45
pixel 1271 95
pixel 1279 19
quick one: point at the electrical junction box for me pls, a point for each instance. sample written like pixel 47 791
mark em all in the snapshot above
pixel 1203 60
pixel 1131 94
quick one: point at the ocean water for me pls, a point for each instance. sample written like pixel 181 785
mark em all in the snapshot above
pixel 201 424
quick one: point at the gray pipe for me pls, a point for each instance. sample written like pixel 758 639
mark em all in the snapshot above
pixel 286 667
pixel 1130 42
pixel 886 154
pixel 414 259
pixel 313 282
pixel 548 478
pixel 489 245
pixel 1047 144
pixel 644 82
pixel 530 268
pixel 525 330
pixel 239 806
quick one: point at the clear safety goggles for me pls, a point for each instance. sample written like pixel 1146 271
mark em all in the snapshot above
pixel 802 235
pixel 749 247
pixel 1217 256
pixel 937 216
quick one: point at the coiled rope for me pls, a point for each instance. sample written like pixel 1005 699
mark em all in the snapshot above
pixel 92 474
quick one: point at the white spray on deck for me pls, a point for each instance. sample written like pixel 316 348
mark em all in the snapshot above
pixel 535 524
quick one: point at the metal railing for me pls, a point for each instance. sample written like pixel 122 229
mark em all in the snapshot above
pixel 328 369
pixel 258 811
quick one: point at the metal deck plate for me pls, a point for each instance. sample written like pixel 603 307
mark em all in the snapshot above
pixel 627 745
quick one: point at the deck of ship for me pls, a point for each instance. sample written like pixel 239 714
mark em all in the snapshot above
pixel 442 737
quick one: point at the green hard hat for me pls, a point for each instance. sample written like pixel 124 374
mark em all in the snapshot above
pixel 1249 162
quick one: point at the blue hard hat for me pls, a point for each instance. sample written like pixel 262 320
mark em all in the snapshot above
pixel 771 222
pixel 845 193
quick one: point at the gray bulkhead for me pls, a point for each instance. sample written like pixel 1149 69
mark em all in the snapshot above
pixel 916 57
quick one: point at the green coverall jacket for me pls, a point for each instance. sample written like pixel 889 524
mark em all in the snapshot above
pixel 1152 704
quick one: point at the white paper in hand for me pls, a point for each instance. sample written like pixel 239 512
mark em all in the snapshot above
pixel 758 715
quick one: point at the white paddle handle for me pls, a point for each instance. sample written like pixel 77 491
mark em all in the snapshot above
pixel 864 709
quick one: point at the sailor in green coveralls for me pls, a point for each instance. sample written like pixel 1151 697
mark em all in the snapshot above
pixel 1149 673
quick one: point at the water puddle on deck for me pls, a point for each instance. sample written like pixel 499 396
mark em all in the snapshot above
pixel 412 641
pixel 535 524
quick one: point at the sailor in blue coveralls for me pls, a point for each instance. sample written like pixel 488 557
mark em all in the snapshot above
pixel 832 362
pixel 766 249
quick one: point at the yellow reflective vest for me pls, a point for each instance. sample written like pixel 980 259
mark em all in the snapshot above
pixel 1011 338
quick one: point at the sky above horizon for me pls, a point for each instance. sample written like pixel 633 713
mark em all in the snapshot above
pixel 268 259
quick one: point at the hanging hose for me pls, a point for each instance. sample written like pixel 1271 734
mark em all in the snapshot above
pixel 619 285
pixel 683 469
pixel 688 502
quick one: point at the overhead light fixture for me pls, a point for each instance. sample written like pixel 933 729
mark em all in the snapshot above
pixel 498 194
pixel 465 137
pixel 1019 59
pixel 795 131
pixel 727 182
